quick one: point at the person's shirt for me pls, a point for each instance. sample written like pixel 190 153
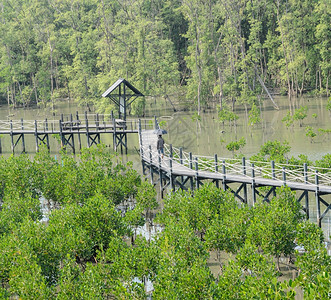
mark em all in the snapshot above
pixel 160 143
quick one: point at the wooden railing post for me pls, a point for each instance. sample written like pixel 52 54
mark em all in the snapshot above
pixel 216 169
pixel 23 141
pixel 244 173
pixel 197 183
pixel 318 204
pixel 253 184
pixel 305 176
pixel 224 175
pixel 172 185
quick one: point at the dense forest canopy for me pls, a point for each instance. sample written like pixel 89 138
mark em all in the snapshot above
pixel 205 50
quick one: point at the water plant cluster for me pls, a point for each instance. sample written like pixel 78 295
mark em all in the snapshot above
pixel 81 243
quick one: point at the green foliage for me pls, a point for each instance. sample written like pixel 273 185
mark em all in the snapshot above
pixel 328 106
pixel 80 249
pixel 275 224
pixel 235 146
pixel 254 115
pixel 288 119
pixel 324 164
pixel 314 263
pixel 300 114
pixel 310 132
pixel 272 150
pixel 226 114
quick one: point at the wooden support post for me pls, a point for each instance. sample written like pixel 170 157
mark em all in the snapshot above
pixel 97 124
pixel 197 183
pixel 245 185
pixel 36 135
pixel 47 135
pixel 140 139
pixel 273 174
pixel 224 175
pixel 160 177
pixel 61 134
pixel 305 174
pixel 78 128
pixel 0 146
pixel 72 134
pixel 23 141
pixel 284 176
pixel 253 185
pixel 87 131
pixel 12 137
pixel 151 163
pixel 318 203
pixel 216 169
pixel 172 186
pixel 114 135
pixel 191 167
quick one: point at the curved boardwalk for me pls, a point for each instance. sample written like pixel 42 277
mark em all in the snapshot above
pixel 179 169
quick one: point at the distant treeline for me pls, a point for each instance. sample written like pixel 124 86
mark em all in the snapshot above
pixel 202 50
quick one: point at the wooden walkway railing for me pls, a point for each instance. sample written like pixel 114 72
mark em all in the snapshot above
pixel 184 170
pixel 71 126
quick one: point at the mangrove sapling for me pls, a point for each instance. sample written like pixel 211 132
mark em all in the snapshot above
pixel 314 263
pixel 310 133
pixel 236 145
pixel 278 225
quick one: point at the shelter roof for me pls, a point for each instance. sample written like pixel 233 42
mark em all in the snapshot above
pixel 117 84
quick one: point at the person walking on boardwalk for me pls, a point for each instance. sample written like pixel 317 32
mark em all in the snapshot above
pixel 160 145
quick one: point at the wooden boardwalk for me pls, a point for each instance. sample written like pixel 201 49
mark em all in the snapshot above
pixel 179 169
pixel 70 129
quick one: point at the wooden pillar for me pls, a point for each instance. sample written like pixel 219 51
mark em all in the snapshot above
pixel 97 124
pixel 253 185
pixel 61 134
pixel 197 183
pixel 114 135
pixel 151 163
pixel 87 131
pixel 245 185
pixel 172 185
pixel 0 146
pixel 216 169
pixel 191 167
pixel 12 137
pixel 78 125
pixel 305 174
pixel 46 132
pixel 181 160
pixel 224 175
pixel 160 177
pixel 284 176
pixel 23 141
pixel 36 134
pixel 273 174
pixel 318 203
pixel 72 134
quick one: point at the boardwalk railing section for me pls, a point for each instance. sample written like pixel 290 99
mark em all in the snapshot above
pixel 184 170
pixel 70 126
